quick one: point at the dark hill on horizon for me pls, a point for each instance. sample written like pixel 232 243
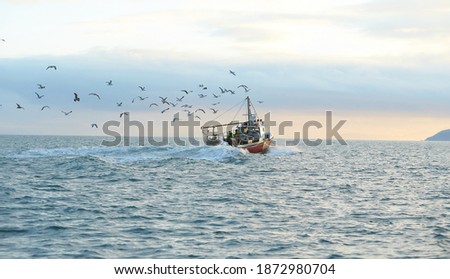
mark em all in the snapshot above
pixel 441 136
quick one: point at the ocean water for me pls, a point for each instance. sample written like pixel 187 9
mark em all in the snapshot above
pixel 70 197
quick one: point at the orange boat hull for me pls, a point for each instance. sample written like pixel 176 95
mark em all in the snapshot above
pixel 258 147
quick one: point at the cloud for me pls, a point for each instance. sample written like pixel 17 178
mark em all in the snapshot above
pixel 352 56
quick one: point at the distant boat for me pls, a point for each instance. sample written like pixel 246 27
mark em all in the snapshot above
pixel 249 135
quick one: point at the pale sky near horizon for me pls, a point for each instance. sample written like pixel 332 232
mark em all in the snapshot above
pixel 384 66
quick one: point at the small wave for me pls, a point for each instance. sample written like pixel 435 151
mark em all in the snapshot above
pixel 60 152
pixel 13 231
pixel 136 154
pixel 283 151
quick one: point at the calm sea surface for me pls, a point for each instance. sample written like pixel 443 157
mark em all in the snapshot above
pixel 69 197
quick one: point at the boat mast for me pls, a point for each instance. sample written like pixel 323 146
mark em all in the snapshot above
pixel 248 110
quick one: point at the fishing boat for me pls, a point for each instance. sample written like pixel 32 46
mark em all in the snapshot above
pixel 249 135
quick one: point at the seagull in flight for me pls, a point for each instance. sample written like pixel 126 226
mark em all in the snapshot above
pixel 140 98
pixel 216 96
pixel 40 86
pixel 175 119
pixel 202 95
pixel 51 67
pixel 180 99
pixel 215 104
pixel 233 73
pixel 95 94
pixel 214 110
pixel 119 104
pixel 66 113
pixel 142 87
pixel 185 91
pixel 245 87
pixel 93 125
pixel 44 107
pixel 164 100
pixel 109 83
pixel 153 104
pixel 76 98
pixel 38 96
pixel 200 110
pixel 19 106
pixel 163 111
pixel 260 102
pixel 126 113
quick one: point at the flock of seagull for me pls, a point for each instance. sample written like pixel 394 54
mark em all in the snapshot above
pixel 164 102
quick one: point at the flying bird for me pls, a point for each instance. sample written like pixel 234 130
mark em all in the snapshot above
pixel 153 104
pixel 198 117
pixel 51 67
pixel 38 96
pixel 214 110
pixel 185 91
pixel 95 94
pixel 200 110
pixel 44 107
pixel 163 111
pixel 180 99
pixel 109 83
pixel 66 113
pixel 215 104
pixel 40 86
pixel 175 119
pixel 140 98
pixel 164 100
pixel 233 73
pixel 222 90
pixel 76 98
pixel 123 113
pixel 142 87
pixel 245 87
pixel 119 104
pixel 93 125
pixel 216 96
pixel 260 102
pixel 202 95
pixel 19 106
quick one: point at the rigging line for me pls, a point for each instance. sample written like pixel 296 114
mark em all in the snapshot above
pixel 256 113
pixel 243 102
pixel 229 110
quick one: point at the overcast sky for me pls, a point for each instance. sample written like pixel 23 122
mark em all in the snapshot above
pixel 384 66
